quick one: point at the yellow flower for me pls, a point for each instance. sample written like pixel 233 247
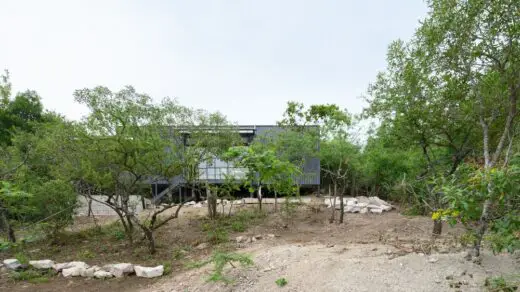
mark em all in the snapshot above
pixel 436 215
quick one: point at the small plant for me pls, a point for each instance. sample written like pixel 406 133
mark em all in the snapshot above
pixel 85 255
pixel 281 282
pixel 500 284
pixel 22 258
pixel 219 260
pixel 167 268
pixel 217 235
pixel 119 234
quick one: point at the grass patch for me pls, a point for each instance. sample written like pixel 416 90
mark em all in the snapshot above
pixel 217 230
pixel 501 284
pixel 33 275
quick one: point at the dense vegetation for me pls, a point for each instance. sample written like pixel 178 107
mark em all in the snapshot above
pixel 445 145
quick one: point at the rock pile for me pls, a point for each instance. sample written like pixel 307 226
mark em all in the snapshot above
pixel 81 269
pixel 361 204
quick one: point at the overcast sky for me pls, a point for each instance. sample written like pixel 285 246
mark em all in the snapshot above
pixel 243 58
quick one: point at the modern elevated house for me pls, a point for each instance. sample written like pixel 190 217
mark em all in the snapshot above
pixel 215 172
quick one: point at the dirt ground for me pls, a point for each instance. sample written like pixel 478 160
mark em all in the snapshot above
pixel 369 252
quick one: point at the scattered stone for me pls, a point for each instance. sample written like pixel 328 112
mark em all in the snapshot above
pixel 374 249
pixel 270 235
pixel 433 260
pixel 149 272
pixel 438 281
pixel 267 269
pixel 12 264
pixel 73 271
pixel 42 264
pixel 420 254
pixel 240 239
pixel 463 273
pixel 363 210
pixel 464 282
pixel 449 277
pixel 190 203
pixel 258 236
pixel 376 211
pixel 119 270
pixel 455 284
pixel 330 245
pixel 102 274
pixel 252 239
pixel 203 245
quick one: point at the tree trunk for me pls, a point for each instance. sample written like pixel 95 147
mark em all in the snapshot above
pixel 437 227
pixel 333 215
pixel 148 233
pixel 341 206
pixel 212 203
pixel 260 197
pixel 275 201
pixel 4 224
pixel 89 212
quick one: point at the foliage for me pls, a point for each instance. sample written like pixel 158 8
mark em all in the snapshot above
pixel 467 192
pixel 280 282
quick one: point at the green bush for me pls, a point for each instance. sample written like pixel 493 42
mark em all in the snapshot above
pixel 281 282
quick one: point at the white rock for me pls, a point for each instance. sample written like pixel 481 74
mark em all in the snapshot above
pixel 61 266
pixel 433 260
pixel 376 211
pixel 119 270
pixel 89 273
pixel 198 205
pixel 363 210
pixel 240 239
pixel 73 272
pixel 362 205
pixel 12 264
pixel 386 208
pixel 270 235
pixel 202 245
pixel 190 203
pixel 102 274
pixel 149 272
pixel 352 202
pixel 363 199
pixel 378 201
pixel 42 264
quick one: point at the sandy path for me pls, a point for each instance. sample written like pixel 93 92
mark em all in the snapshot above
pixel 349 268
